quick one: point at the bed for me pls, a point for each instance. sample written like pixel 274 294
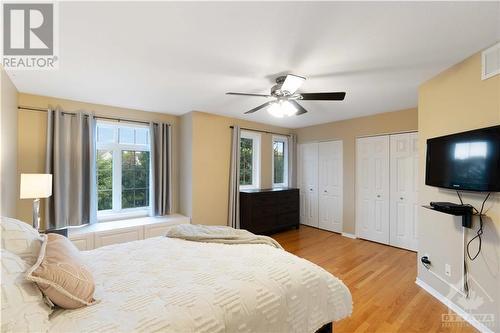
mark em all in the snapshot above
pixel 174 285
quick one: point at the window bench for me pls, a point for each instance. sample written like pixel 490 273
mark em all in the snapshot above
pixel 121 231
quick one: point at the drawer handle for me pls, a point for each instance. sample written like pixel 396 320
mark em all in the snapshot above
pixel 378 195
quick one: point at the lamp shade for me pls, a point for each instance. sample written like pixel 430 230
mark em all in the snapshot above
pixel 35 185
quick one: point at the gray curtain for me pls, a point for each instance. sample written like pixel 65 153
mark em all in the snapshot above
pixel 234 180
pixel 292 159
pixel 70 159
pixel 161 169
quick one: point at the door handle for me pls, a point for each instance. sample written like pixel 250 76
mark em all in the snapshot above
pixel 325 191
pixel 401 198
pixel 378 195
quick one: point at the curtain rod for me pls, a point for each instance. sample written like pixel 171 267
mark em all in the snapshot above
pixel 261 131
pixel 20 107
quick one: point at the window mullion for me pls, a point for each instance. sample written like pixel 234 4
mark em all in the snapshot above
pixel 119 177
pixel 116 180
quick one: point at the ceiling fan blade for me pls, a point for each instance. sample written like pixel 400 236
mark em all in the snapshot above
pixel 327 96
pixel 245 94
pixel 259 107
pixel 292 83
pixel 300 109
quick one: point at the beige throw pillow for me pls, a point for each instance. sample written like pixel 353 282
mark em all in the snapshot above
pixel 61 274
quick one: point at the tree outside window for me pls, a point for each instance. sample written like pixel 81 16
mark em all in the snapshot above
pixel 249 159
pixel 246 161
pixel 280 161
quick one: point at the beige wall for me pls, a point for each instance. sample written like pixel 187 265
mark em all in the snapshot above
pixel 347 131
pixel 9 188
pixel 186 164
pixel 455 101
pixel 32 137
pixel 208 182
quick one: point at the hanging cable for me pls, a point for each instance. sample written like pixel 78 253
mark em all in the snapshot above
pixel 479 232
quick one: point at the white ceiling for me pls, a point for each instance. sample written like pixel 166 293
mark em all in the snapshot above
pixel 178 57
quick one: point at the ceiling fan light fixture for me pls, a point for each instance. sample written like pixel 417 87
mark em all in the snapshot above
pixel 275 110
pixel 285 98
pixel 281 109
pixel 288 108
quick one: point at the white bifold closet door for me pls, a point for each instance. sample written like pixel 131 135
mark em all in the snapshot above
pixel 372 190
pixel 320 179
pixel 308 183
pixel 403 201
pixel 330 187
pixel 386 189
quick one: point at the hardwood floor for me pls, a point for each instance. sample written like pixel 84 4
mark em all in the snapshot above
pixel 381 279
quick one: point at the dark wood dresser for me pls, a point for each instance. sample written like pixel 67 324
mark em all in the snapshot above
pixel 265 211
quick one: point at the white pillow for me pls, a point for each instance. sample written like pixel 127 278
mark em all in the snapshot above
pixel 23 306
pixel 21 239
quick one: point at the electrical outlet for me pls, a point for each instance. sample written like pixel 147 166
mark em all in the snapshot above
pixel 447 269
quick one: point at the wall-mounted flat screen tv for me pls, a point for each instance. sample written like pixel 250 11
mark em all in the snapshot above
pixel 465 161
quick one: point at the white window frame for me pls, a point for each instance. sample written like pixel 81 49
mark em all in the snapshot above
pixel 255 137
pixel 283 139
pixel 116 148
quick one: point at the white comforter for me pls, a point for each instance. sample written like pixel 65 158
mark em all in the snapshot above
pixel 173 285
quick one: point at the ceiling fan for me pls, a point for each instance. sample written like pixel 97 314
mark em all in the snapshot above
pixel 286 96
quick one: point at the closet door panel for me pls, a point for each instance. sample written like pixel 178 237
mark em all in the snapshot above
pixel 363 188
pixel 380 194
pixel 330 185
pixel 300 183
pixel 372 212
pixel 309 184
pixel 403 190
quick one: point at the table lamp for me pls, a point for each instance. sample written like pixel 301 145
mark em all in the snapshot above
pixel 35 186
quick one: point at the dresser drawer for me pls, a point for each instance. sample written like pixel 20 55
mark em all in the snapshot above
pixel 259 211
pixel 267 211
pixel 288 219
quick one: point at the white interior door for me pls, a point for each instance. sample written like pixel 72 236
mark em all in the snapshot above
pixel 403 197
pixel 330 179
pixel 308 183
pixel 372 188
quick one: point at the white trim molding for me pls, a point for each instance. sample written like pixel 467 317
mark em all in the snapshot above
pixel 348 235
pixel 458 310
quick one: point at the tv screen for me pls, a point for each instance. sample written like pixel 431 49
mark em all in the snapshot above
pixel 465 161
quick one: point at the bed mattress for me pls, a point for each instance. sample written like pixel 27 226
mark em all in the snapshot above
pixel 173 285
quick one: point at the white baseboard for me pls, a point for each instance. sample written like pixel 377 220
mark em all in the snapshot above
pixel 348 235
pixel 458 310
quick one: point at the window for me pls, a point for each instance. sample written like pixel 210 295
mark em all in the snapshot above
pixel 280 161
pixel 104 179
pixel 123 170
pixel 249 160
